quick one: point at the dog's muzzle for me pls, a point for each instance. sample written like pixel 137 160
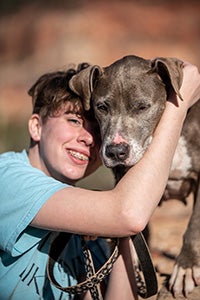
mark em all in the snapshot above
pixel 117 152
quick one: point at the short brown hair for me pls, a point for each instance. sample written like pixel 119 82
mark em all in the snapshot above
pixel 51 91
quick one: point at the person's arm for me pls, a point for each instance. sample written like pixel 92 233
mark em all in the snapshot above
pixel 126 209
pixel 122 284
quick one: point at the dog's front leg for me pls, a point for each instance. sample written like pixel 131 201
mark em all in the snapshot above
pixel 186 273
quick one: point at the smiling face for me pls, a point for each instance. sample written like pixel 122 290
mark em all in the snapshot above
pixel 63 136
pixel 64 145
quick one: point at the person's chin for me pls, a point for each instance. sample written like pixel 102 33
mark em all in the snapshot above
pixel 76 175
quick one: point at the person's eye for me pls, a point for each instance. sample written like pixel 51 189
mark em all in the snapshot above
pixel 74 120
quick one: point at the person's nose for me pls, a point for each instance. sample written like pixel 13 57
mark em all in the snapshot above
pixel 86 137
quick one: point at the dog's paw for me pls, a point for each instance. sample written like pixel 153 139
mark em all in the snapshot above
pixel 183 281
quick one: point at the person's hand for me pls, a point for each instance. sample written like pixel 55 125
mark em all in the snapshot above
pixel 190 88
pixel 90 237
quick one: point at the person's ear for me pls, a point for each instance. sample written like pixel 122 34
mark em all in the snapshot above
pixel 34 125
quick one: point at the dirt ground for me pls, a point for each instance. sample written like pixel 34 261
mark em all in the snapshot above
pixel 167 227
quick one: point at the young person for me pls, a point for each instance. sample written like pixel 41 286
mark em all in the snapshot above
pixel 38 197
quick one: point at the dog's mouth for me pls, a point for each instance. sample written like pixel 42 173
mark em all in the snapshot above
pixel 110 163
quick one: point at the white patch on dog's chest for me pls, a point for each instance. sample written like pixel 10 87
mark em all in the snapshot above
pixel 181 164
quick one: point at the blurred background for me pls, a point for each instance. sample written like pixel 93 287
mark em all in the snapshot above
pixel 42 36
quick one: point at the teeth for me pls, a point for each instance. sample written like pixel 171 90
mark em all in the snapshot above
pixel 78 155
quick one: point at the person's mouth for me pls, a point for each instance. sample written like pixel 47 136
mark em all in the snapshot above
pixel 78 155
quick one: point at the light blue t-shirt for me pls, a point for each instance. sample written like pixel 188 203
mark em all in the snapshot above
pixel 24 249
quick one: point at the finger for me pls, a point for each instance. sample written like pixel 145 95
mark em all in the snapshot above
pixel 186 63
pixel 90 237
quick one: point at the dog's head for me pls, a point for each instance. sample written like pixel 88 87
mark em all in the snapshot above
pixel 128 98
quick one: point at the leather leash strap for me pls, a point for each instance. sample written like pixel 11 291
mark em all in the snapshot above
pixel 95 289
pixel 93 278
pixel 147 284
pixel 147 268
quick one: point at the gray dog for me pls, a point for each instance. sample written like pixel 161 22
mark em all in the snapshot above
pixel 128 98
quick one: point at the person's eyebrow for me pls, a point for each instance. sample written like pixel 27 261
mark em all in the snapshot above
pixel 78 114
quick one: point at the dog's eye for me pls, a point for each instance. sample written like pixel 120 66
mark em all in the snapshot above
pixel 102 107
pixel 143 107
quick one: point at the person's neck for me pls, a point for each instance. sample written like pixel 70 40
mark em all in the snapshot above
pixel 34 158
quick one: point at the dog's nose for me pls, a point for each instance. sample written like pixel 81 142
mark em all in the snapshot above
pixel 118 152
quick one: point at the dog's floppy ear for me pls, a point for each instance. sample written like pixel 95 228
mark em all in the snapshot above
pixel 170 71
pixel 83 83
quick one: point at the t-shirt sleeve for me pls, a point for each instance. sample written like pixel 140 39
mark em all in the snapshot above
pixel 23 191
